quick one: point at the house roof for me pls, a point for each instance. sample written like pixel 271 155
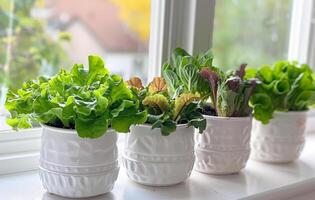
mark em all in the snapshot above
pixel 102 20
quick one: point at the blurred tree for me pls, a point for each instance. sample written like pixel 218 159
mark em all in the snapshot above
pixel 136 15
pixel 255 32
pixel 26 49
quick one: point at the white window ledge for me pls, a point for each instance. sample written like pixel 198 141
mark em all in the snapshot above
pixel 257 181
pixel 19 151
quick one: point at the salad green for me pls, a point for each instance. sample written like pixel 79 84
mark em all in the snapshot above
pixel 166 111
pixel 89 101
pixel 286 86
pixel 229 93
pixel 182 73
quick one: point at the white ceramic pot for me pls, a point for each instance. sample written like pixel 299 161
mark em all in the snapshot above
pixel 156 160
pixel 76 167
pixel 224 146
pixel 281 140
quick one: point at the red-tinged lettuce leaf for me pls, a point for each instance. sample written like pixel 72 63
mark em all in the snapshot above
pixel 241 72
pixel 135 82
pixel 234 83
pixel 213 79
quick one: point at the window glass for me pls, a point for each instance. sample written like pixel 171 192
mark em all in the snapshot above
pixel 41 36
pixel 255 32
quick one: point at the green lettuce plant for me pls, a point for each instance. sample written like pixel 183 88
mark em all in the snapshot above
pixel 89 101
pixel 286 86
pixel 166 111
pixel 229 93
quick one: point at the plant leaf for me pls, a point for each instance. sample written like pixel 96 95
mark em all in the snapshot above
pixel 172 81
pixel 158 85
pixel 213 79
pixel 135 82
pixel 181 102
pixel 157 101
pixel 96 69
pixel 91 127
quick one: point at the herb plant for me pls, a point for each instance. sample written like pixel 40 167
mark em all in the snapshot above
pixel 89 101
pixel 286 86
pixel 166 111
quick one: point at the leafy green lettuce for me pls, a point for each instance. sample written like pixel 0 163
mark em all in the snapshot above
pixel 89 101
pixel 286 86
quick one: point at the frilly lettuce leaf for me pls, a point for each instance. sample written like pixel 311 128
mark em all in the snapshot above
pixel 286 86
pixel 262 107
pixel 91 127
pixel 158 85
pixel 158 102
pixel 88 100
pixel 135 82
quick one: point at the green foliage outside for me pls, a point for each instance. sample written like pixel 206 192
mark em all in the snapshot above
pixel 33 51
pixel 253 32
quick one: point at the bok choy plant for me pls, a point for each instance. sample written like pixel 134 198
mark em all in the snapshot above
pixel 182 73
pixel 165 111
pixel 89 101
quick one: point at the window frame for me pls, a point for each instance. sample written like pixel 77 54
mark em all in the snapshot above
pixel 302 42
pixel 184 23
pixel 301 35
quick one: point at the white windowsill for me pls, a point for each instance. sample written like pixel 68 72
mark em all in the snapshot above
pixel 19 151
pixel 256 181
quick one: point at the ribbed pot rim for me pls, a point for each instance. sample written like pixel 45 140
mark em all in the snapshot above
pixel 150 125
pixel 77 175
pixel 41 161
pixel 65 130
pixel 291 112
pixel 227 118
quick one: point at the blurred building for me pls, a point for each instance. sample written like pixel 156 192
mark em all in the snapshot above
pixel 96 28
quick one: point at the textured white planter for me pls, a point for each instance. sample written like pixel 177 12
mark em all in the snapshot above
pixel 281 140
pixel 156 160
pixel 71 166
pixel 224 146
